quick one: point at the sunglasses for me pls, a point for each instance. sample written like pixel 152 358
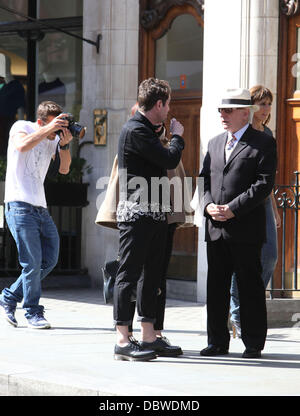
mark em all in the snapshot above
pixel 227 110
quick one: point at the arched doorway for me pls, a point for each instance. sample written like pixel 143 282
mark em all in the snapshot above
pixel 171 48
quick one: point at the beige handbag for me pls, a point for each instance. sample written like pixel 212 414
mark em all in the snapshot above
pixel 106 215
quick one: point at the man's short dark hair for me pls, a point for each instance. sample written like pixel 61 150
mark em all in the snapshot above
pixel 150 91
pixel 48 108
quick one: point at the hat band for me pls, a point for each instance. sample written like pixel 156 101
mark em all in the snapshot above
pixel 236 101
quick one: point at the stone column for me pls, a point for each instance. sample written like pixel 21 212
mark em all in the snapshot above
pixel 259 46
pixel 221 70
pixel 240 50
pixel 110 81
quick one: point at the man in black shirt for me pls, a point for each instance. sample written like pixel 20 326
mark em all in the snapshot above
pixel 141 216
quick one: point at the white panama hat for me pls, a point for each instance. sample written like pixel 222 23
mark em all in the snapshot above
pixel 237 98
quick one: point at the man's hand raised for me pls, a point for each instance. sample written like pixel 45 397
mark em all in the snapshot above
pixel 57 123
pixel 176 127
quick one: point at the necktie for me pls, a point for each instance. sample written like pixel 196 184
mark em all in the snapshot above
pixel 231 143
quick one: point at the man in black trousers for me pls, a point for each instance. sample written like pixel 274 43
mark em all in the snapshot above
pixel 141 216
pixel 239 171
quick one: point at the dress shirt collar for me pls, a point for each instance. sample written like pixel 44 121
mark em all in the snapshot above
pixel 238 134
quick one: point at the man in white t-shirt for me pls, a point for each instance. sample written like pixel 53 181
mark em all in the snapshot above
pixel 30 149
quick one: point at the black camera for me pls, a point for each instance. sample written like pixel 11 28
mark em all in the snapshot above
pixel 75 128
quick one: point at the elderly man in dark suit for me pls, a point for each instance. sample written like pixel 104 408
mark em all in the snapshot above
pixel 239 171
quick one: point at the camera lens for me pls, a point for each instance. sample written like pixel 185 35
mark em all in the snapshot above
pixel 82 132
pixel 77 130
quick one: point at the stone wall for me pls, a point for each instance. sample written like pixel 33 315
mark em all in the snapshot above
pixel 110 81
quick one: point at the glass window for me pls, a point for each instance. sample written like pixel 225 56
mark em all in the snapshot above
pixel 179 54
pixel 13 85
pixel 59 67
pixel 19 6
pixel 54 62
pixel 296 58
pixel 60 8
pixel 47 9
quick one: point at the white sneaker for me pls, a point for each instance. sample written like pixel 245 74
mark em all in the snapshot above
pixel 8 312
pixel 38 321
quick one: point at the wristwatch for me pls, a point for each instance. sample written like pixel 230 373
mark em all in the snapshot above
pixel 65 147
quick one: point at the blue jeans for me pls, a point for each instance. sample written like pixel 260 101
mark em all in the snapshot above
pixel 268 261
pixel 37 242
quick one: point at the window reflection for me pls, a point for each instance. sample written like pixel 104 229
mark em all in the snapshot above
pixel 58 8
pixel 179 54
pixel 13 72
pixel 57 65
pixel 17 5
pixel 59 80
pixel 296 58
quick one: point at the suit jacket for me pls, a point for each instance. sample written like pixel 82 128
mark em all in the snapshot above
pixel 243 183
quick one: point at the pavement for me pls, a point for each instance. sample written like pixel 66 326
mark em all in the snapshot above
pixel 75 356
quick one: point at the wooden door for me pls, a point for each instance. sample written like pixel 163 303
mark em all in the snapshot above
pixel 166 51
pixel 288 136
pixel 188 113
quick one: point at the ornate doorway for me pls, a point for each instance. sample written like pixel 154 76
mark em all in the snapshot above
pixel 171 48
pixel 288 134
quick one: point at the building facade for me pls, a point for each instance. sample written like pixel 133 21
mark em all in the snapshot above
pixel 200 47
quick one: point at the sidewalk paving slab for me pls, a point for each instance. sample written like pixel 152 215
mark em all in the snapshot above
pixel 75 356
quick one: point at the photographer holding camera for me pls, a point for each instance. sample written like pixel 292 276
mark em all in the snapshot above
pixel 31 147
